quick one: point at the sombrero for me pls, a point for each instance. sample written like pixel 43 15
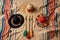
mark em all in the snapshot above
pixel 24 5
pixel 16 21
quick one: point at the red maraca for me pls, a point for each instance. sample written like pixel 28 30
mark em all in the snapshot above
pixel 28 35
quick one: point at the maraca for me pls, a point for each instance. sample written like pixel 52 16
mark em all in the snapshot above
pixel 25 31
pixel 28 35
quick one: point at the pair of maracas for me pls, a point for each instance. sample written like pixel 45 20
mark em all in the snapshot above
pixel 28 34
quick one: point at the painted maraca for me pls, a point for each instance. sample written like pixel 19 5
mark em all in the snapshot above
pixel 25 31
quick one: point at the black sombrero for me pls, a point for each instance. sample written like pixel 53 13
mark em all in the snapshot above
pixel 16 21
